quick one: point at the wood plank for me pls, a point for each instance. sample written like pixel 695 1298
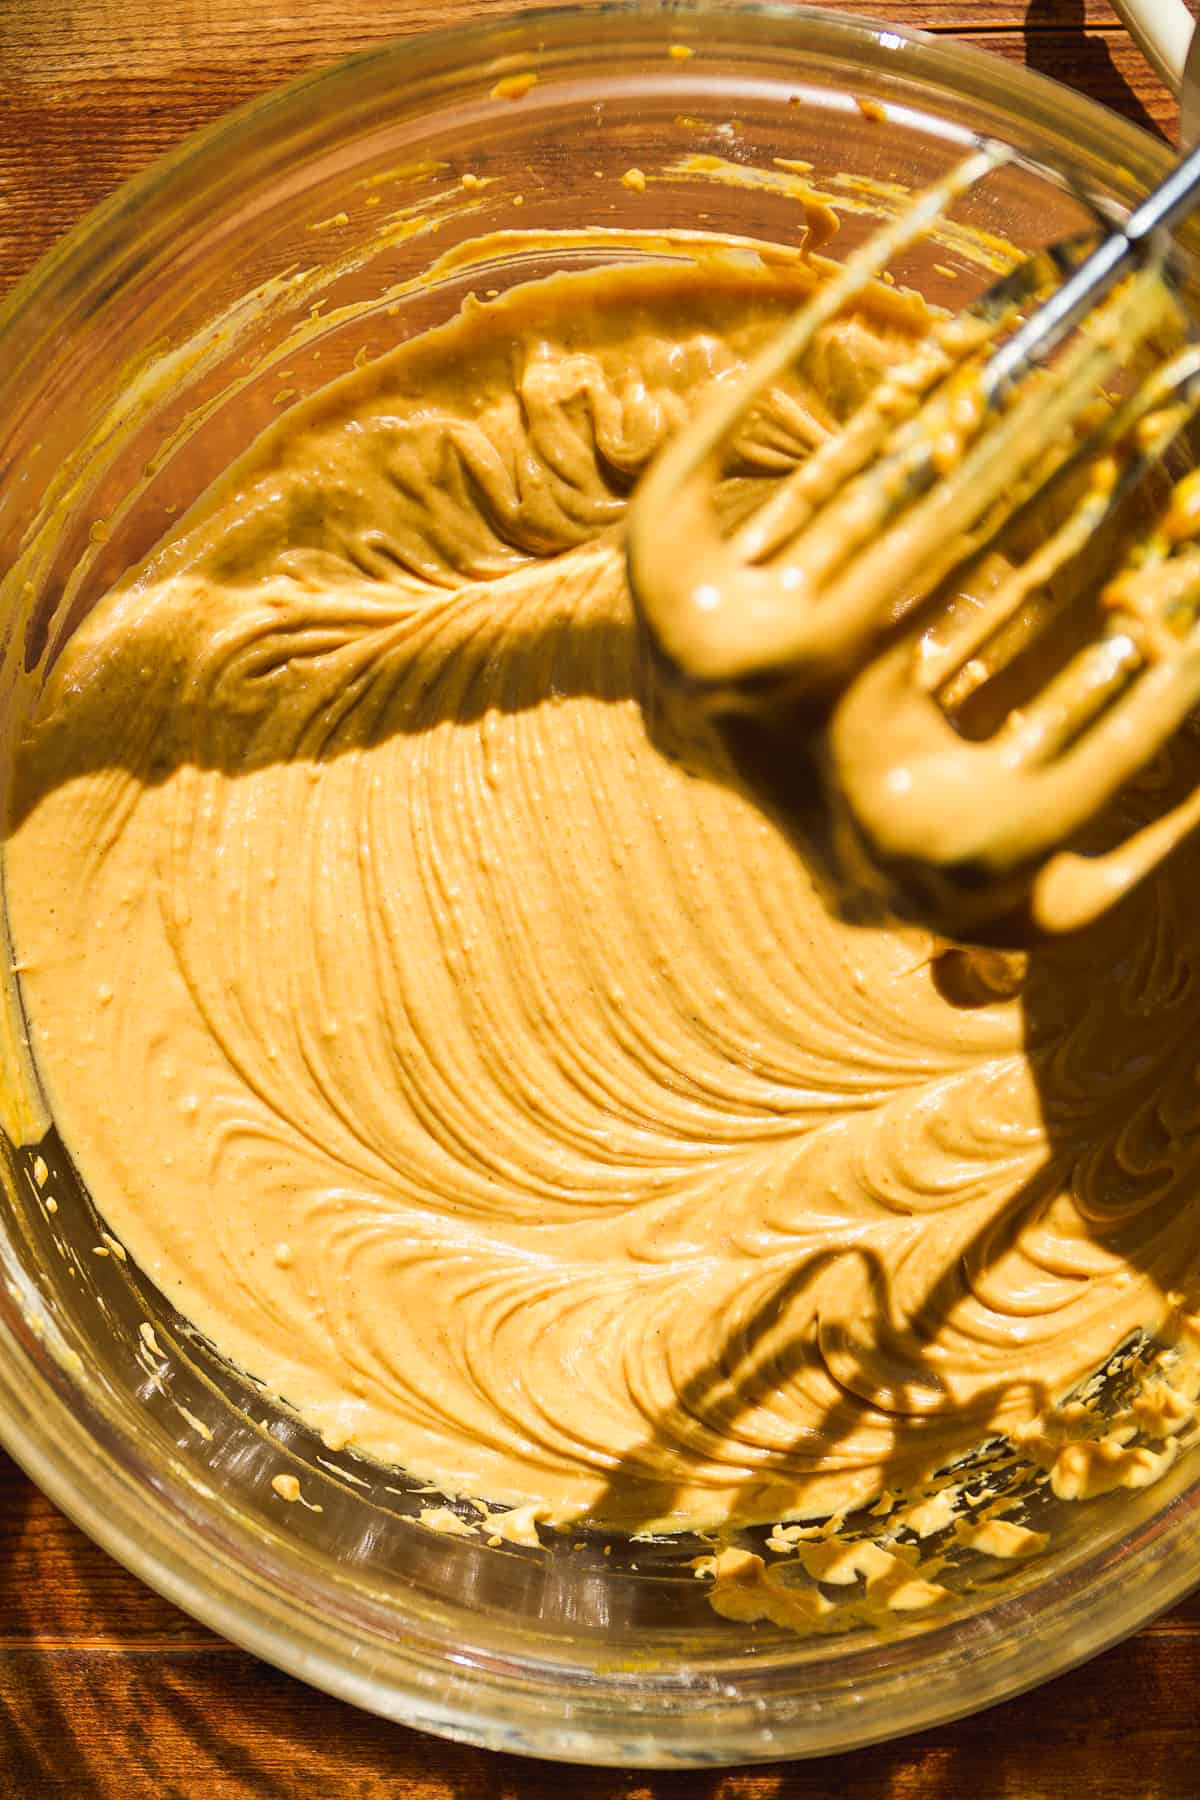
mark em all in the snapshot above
pixel 67 143
pixel 186 1723
pixel 57 1587
pixel 51 43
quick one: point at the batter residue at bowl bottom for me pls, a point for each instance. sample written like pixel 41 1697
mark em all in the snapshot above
pixel 479 1068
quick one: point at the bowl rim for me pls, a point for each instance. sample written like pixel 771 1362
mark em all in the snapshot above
pixel 54 1433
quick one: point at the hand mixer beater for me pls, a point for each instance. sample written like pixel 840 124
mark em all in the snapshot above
pixel 840 599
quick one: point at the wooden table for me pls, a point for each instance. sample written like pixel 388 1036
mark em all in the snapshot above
pixel 105 1689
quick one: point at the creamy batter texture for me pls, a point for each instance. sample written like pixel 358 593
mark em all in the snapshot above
pixel 474 1061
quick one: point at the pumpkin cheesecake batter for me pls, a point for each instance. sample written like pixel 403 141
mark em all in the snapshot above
pixel 473 1060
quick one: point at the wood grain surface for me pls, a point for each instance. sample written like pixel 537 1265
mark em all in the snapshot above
pixel 106 1689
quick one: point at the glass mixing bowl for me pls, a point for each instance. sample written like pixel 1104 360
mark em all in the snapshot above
pixel 153 344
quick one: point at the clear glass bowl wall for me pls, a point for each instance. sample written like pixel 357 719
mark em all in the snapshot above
pixel 143 354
